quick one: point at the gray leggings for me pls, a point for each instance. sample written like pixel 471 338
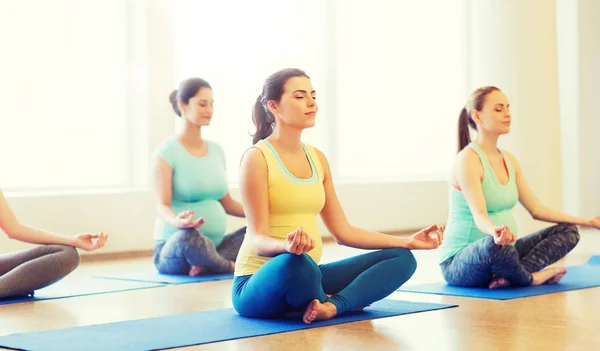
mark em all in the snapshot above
pixel 475 265
pixel 23 272
pixel 189 247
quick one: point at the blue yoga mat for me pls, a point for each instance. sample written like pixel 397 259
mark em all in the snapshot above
pixel 189 329
pixel 577 277
pixel 594 260
pixel 71 287
pixel 152 276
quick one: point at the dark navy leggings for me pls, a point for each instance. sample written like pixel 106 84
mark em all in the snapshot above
pixel 288 283
pixel 475 265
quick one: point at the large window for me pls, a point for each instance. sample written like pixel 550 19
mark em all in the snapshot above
pixel 66 87
pixel 235 45
pixel 401 81
pixel 390 75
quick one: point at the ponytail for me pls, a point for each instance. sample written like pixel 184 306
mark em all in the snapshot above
pixel 476 101
pixel 187 90
pixel 272 91
pixel 262 120
pixel 464 135
pixel 173 101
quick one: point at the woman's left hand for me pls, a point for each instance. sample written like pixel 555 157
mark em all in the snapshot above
pixel 90 242
pixel 595 222
pixel 427 238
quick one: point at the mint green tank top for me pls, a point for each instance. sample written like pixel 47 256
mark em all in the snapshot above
pixel 499 200
pixel 199 183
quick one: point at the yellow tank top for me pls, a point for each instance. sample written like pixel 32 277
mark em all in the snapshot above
pixel 293 203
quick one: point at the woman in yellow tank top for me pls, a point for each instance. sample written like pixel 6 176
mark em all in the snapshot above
pixel 285 185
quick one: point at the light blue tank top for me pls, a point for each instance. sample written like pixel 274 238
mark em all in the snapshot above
pixel 499 199
pixel 198 185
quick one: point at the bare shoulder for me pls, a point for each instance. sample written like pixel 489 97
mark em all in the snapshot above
pixel 322 156
pixel 324 162
pixel 511 158
pixel 2 201
pixel 253 159
pixel 466 158
pixel 159 162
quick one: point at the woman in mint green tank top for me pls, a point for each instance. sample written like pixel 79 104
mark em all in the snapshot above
pixel 480 247
pixel 192 193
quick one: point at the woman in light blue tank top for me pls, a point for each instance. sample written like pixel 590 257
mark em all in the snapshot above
pixel 480 247
pixel 192 192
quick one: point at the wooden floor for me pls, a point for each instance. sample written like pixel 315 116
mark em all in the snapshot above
pixel 565 321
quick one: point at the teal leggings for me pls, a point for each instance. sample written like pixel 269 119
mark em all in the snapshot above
pixel 287 282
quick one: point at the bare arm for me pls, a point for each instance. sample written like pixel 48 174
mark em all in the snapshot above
pixel 163 188
pixel 25 233
pixel 468 173
pixel 535 207
pixel 22 232
pixel 255 199
pixel 336 222
pixel 232 207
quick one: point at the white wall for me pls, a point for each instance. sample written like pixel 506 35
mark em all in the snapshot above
pixel 579 72
pixel 567 18
pixel 513 47
pixel 128 215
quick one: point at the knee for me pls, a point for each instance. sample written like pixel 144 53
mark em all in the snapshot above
pixel 405 259
pixel 410 262
pixel 69 258
pixel 298 262
pixel 299 266
pixel 404 263
pixel 186 235
pixel 493 247
pixel 189 238
pixel 571 232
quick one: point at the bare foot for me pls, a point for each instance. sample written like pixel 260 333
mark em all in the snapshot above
pixel 197 270
pixel 354 309
pixel 360 308
pixel 557 277
pixel 498 282
pixel 317 311
pixel 549 275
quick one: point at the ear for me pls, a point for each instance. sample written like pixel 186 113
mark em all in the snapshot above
pixel 180 106
pixel 272 105
pixel 475 116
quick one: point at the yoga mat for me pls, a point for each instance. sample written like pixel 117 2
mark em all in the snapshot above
pixel 71 287
pixel 594 260
pixel 152 276
pixel 189 329
pixel 577 277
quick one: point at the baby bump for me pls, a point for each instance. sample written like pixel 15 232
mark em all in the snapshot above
pixel 214 216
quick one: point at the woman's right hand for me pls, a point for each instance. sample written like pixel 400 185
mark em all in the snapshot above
pixel 90 242
pixel 503 235
pixel 299 242
pixel 185 220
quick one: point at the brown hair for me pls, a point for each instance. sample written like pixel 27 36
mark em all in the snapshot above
pixel 465 121
pixel 272 90
pixel 187 90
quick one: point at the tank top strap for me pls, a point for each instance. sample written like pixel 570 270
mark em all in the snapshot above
pixel 270 159
pixel 484 160
pixel 316 161
pixel 509 165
